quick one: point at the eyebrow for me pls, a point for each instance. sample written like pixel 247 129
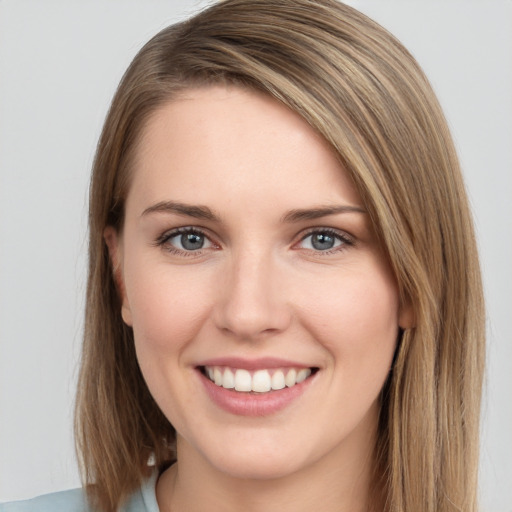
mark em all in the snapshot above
pixel 205 213
pixel 322 211
pixel 196 211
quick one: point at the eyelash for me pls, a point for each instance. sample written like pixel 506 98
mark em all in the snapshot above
pixel 345 239
pixel 163 241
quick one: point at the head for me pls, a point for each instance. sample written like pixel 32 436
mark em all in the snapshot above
pixel 366 98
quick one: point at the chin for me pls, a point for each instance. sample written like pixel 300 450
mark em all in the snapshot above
pixel 260 469
pixel 265 459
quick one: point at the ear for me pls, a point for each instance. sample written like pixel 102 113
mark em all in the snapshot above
pixel 406 316
pixel 113 241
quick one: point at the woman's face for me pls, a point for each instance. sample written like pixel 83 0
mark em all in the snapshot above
pixel 247 260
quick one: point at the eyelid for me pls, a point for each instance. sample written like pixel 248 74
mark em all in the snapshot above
pixel 163 241
pixel 346 239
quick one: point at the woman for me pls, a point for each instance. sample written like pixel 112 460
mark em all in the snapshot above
pixel 284 293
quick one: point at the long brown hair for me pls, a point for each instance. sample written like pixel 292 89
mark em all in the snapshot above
pixel 358 87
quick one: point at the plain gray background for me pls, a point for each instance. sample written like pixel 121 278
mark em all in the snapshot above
pixel 60 62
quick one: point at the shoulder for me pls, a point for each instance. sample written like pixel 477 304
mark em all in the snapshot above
pixel 65 501
pixel 75 500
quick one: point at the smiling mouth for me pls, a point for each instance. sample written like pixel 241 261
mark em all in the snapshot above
pixel 258 381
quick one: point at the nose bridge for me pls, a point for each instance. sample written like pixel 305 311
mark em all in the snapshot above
pixel 252 302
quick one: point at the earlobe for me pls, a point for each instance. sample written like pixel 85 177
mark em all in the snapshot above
pixel 126 313
pixel 406 316
pixel 112 239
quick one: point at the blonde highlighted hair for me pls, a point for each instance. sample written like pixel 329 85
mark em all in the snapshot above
pixel 358 87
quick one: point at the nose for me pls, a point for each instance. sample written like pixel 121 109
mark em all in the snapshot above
pixel 252 301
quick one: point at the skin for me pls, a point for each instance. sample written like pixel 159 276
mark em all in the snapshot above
pixel 258 288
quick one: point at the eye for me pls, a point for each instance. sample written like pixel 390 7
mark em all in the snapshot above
pixel 189 241
pixel 324 240
pixel 184 240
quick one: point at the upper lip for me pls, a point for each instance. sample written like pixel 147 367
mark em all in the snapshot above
pixel 253 364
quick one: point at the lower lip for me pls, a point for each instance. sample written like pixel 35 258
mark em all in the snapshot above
pixel 253 404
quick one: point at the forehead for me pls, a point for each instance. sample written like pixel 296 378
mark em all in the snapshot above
pixel 238 144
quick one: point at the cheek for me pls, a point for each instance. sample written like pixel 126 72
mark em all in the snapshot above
pixel 356 319
pixel 167 307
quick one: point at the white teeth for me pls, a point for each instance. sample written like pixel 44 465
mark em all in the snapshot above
pixel 278 380
pixel 229 379
pixel 260 381
pixel 243 380
pixel 217 376
pixel 303 374
pixel 290 378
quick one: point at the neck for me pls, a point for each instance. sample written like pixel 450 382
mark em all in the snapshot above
pixel 340 481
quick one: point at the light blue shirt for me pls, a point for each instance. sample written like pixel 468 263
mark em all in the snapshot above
pixel 142 500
